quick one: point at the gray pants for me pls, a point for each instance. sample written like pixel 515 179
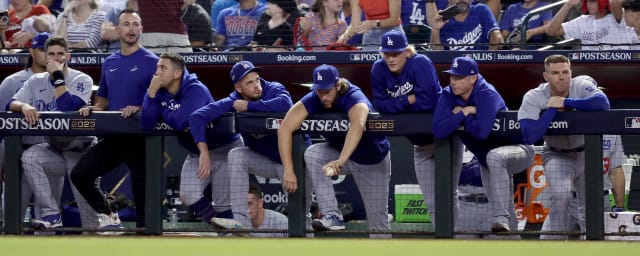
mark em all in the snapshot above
pixel 372 181
pixel 242 162
pixel 45 169
pixel 564 173
pixel 424 165
pixel 191 187
pixel 502 163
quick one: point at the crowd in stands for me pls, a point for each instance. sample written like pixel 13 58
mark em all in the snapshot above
pixel 308 25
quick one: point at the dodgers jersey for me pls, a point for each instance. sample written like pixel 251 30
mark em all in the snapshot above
pixel 535 102
pixel 372 148
pixel 472 33
pixel 11 85
pixel 391 92
pixel 38 92
pixel 512 18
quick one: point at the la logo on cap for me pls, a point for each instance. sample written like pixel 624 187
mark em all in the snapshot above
pixel 245 65
pixel 455 64
pixel 319 78
pixel 389 41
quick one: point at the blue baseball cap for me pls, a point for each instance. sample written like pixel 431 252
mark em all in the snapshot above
pixel 324 77
pixel 241 69
pixel 463 66
pixel 393 41
pixel 38 41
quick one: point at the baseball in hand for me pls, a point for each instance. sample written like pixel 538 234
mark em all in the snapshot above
pixel 329 171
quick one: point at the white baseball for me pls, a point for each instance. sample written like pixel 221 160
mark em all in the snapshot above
pixel 329 171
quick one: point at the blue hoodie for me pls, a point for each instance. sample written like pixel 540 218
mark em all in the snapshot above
pixel 176 109
pixel 477 127
pixel 391 92
pixel 275 98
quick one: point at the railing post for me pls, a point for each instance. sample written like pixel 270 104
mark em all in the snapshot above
pixel 13 186
pixel 593 187
pixel 153 179
pixel 444 188
pixel 297 201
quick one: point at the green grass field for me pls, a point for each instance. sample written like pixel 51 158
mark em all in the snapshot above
pixel 158 246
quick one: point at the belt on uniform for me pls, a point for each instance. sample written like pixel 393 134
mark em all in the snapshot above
pixel 604 193
pixel 474 198
pixel 572 150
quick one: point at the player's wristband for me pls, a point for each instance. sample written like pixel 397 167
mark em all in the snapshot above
pixel 58 79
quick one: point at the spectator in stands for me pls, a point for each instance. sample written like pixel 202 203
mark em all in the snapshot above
pixel 124 80
pixel 109 32
pixel 413 12
pixel 346 12
pixel 198 24
pixel 536 28
pixel 599 28
pixel 474 28
pixel 206 4
pixel 11 35
pixel 55 6
pixel 40 23
pixel 81 23
pixel 45 165
pixel 164 30
pixel 632 17
pixel 274 31
pixel 381 16
pixel 237 24
pixel 220 5
pixel 323 26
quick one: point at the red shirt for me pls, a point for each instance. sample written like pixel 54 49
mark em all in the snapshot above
pixel 376 9
pixel 161 16
pixel 15 24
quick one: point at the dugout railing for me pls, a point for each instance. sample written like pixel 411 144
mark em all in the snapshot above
pixel 592 124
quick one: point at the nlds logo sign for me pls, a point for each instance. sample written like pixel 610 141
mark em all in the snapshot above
pixel 364 57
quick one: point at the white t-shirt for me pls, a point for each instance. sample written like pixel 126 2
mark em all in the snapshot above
pixel 606 31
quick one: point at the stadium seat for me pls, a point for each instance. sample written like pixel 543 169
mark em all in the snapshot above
pixel 419 35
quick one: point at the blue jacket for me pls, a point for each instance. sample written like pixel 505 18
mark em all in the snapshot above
pixel 176 109
pixel 477 127
pixel 275 98
pixel 391 92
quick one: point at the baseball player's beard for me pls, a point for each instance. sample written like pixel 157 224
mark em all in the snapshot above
pixel 257 97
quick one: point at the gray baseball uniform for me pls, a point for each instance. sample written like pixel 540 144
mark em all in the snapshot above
pixel 46 164
pixel 9 86
pixel 562 156
pixel 612 157
pixel 273 220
